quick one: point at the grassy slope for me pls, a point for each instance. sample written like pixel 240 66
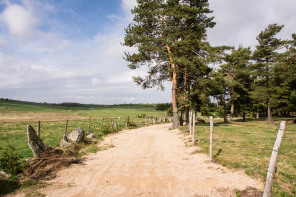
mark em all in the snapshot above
pixel 248 146
pixel 51 131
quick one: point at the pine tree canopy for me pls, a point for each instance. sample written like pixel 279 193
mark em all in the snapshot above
pixel 167 33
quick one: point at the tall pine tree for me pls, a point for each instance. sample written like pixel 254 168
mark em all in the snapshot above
pixel 237 71
pixel 266 55
pixel 170 36
pixel 285 79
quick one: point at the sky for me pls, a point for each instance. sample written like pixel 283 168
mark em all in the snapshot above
pixel 69 50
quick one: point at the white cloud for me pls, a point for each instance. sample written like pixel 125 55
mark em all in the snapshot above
pixel 128 99
pixel 64 44
pixel 3 42
pixel 127 6
pixel 19 21
pixel 55 68
pixel 239 22
pixel 95 81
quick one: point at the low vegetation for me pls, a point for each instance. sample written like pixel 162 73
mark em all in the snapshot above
pixel 248 146
pixel 16 115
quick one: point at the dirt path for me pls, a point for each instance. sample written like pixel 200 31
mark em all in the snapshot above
pixel 150 161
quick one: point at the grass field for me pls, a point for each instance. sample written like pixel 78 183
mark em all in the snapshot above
pixel 248 146
pixel 15 116
pixel 239 145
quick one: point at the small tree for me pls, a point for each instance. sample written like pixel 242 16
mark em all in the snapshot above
pixel 10 161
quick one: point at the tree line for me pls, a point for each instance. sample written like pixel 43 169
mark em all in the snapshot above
pixel 171 41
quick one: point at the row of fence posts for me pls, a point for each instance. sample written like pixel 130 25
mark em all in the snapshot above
pixel 151 120
pixel 114 125
pixel 273 159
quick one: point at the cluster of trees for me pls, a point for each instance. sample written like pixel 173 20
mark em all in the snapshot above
pixel 163 106
pixel 171 41
pixel 262 81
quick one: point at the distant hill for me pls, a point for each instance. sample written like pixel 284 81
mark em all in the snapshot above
pixel 73 104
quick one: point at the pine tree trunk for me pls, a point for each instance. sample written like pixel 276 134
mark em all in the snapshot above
pixel 188 108
pixel 231 111
pixel 176 123
pixel 181 117
pixel 225 108
pixel 185 97
pixel 244 115
pixel 225 113
pixel 187 115
pixel 257 114
pixel 268 111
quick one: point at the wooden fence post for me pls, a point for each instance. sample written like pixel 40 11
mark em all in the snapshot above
pixel 111 123
pixel 273 159
pixel 65 131
pixel 142 119
pixel 127 121
pixel 193 128
pixel 102 124
pixel 88 130
pixel 38 129
pixel 190 122
pixel 119 119
pixel 211 137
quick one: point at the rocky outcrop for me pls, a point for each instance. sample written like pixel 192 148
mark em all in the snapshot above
pixel 35 143
pixel 76 136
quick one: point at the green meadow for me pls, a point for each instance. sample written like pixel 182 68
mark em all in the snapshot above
pixel 13 131
pixel 239 145
pixel 248 146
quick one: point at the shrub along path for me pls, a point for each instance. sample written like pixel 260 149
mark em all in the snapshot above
pixel 150 161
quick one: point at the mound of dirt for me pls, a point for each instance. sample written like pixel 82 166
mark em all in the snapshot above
pixel 49 162
pixel 251 192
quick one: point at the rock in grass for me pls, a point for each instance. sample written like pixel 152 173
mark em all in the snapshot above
pixel 35 143
pixel 90 136
pixel 76 136
pixel 64 142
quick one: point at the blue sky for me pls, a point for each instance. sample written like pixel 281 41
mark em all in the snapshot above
pixel 69 50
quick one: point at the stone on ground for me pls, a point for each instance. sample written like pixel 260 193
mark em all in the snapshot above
pixel 35 143
pixel 76 136
pixel 90 136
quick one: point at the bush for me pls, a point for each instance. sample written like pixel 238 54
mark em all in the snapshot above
pixel 10 161
pixel 201 120
pixel 8 185
pixel 142 116
pixel 170 111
